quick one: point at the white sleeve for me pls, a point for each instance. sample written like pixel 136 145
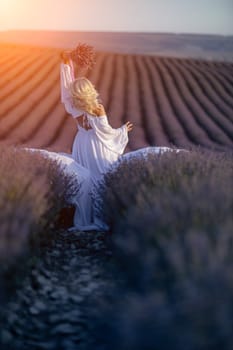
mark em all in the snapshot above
pixel 66 79
pixel 114 139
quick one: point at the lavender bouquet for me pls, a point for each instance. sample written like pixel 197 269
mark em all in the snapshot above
pixel 83 56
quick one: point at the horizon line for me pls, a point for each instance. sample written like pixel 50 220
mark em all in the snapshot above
pixel 115 32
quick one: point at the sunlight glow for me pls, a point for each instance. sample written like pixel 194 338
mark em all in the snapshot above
pixel 199 16
pixel 9 11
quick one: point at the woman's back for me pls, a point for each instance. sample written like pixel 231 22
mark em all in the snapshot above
pixel 83 120
pixel 96 145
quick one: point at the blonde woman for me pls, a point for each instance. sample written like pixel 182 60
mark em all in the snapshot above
pixel 96 145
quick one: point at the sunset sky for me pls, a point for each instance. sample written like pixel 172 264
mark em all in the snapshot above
pixel 179 16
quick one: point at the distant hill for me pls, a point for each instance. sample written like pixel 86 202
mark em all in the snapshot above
pixel 171 101
pixel 211 47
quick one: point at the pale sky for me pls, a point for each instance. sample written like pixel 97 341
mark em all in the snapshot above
pixel 176 16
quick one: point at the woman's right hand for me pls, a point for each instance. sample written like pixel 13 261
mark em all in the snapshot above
pixel 65 56
pixel 129 126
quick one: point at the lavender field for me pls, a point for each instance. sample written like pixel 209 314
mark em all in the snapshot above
pixel 171 101
pixel 161 277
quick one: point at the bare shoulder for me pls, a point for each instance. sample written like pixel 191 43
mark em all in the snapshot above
pixel 100 111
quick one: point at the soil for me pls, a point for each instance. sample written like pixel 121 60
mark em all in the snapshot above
pixel 51 309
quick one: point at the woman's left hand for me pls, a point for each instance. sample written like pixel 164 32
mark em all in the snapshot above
pixel 129 126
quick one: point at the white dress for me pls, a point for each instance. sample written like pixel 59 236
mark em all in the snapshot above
pixel 84 219
pixel 98 146
pixel 95 150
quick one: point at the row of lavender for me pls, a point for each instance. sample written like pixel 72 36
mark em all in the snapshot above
pixel 183 102
pixel 171 218
pixel 33 191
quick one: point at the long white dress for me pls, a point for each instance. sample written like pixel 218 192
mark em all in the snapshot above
pixel 98 146
pixel 84 219
pixel 95 150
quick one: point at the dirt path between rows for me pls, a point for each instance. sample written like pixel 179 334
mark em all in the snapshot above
pixel 51 309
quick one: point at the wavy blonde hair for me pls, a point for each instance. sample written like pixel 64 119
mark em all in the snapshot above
pixel 84 95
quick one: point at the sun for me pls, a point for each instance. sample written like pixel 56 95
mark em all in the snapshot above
pixel 5 12
pixel 10 10
pixel 5 6
pixel 24 14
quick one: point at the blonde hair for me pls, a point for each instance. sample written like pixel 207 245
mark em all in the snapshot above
pixel 84 95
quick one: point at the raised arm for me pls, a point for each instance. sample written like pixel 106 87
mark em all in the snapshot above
pixel 66 79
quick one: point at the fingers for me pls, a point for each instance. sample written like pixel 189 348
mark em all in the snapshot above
pixel 129 126
pixel 65 56
pixel 129 123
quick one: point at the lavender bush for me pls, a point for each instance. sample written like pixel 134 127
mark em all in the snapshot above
pixel 199 173
pixel 172 223
pixel 33 190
